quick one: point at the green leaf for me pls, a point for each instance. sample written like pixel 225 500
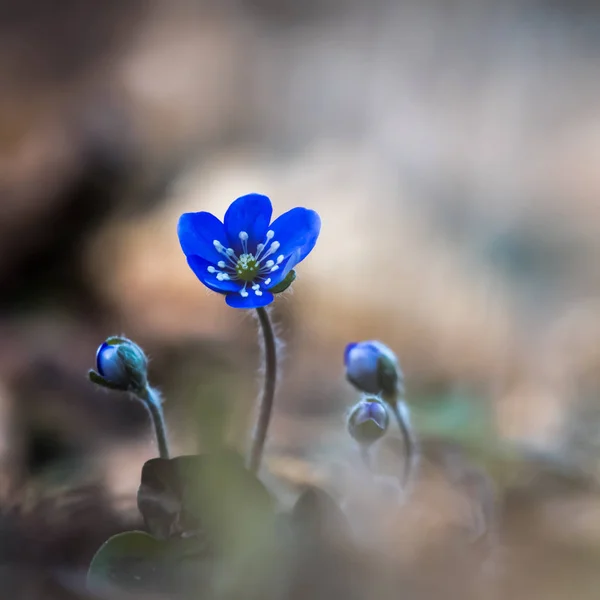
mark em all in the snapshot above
pixel 135 562
pixel 212 496
pixel 217 521
pixel 130 561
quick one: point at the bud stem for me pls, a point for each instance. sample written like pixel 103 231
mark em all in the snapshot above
pixel 266 406
pixel 411 448
pixel 151 398
pixel 366 456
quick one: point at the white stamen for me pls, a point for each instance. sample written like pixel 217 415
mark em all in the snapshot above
pixel 244 294
pixel 270 234
pixel 211 269
pixel 274 268
pixel 243 235
pixel 229 253
pixel 269 263
pixel 267 281
pixel 272 248
pixel 256 286
pixel 258 292
pixel 280 259
pixel 223 277
pixel 222 264
pixel 259 249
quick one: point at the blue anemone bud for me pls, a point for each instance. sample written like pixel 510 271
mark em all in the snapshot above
pixel 121 365
pixel 368 420
pixel 373 368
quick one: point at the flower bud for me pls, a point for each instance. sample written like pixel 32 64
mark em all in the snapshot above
pixel 368 420
pixel 373 368
pixel 121 365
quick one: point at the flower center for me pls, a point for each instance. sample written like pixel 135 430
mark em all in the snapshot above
pixel 247 267
pixel 252 269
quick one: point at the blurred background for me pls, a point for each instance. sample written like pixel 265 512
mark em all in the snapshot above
pixel 452 148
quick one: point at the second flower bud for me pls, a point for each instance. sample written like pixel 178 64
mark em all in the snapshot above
pixel 368 420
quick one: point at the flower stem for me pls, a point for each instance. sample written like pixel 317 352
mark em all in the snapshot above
pixel 411 448
pixel 366 456
pixel 151 398
pixel 266 406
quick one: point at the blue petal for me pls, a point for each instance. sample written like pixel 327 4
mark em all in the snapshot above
pixel 250 301
pixel 110 366
pixel 104 351
pixel 197 231
pixel 378 412
pixel 371 411
pixel 362 367
pixel 200 268
pixel 347 351
pixel 296 231
pixel 252 214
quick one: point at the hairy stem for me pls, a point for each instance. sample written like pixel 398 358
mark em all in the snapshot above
pixel 366 456
pixel 266 405
pixel 411 449
pixel 151 398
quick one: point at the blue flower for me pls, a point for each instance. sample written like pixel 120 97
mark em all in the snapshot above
pixel 368 420
pixel 372 367
pixel 246 256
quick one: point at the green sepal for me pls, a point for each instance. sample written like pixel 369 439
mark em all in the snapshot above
pixel 388 378
pixel 136 365
pixel 285 283
pixel 99 380
pixel 115 340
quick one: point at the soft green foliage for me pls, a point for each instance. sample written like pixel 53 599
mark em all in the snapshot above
pixel 211 525
pixel 456 416
pixel 131 561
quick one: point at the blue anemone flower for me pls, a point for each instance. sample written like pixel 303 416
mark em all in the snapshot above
pixel 246 256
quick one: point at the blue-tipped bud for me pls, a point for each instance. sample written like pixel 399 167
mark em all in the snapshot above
pixel 121 365
pixel 368 420
pixel 373 368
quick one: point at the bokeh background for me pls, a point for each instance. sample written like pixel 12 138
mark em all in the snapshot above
pixel 452 148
